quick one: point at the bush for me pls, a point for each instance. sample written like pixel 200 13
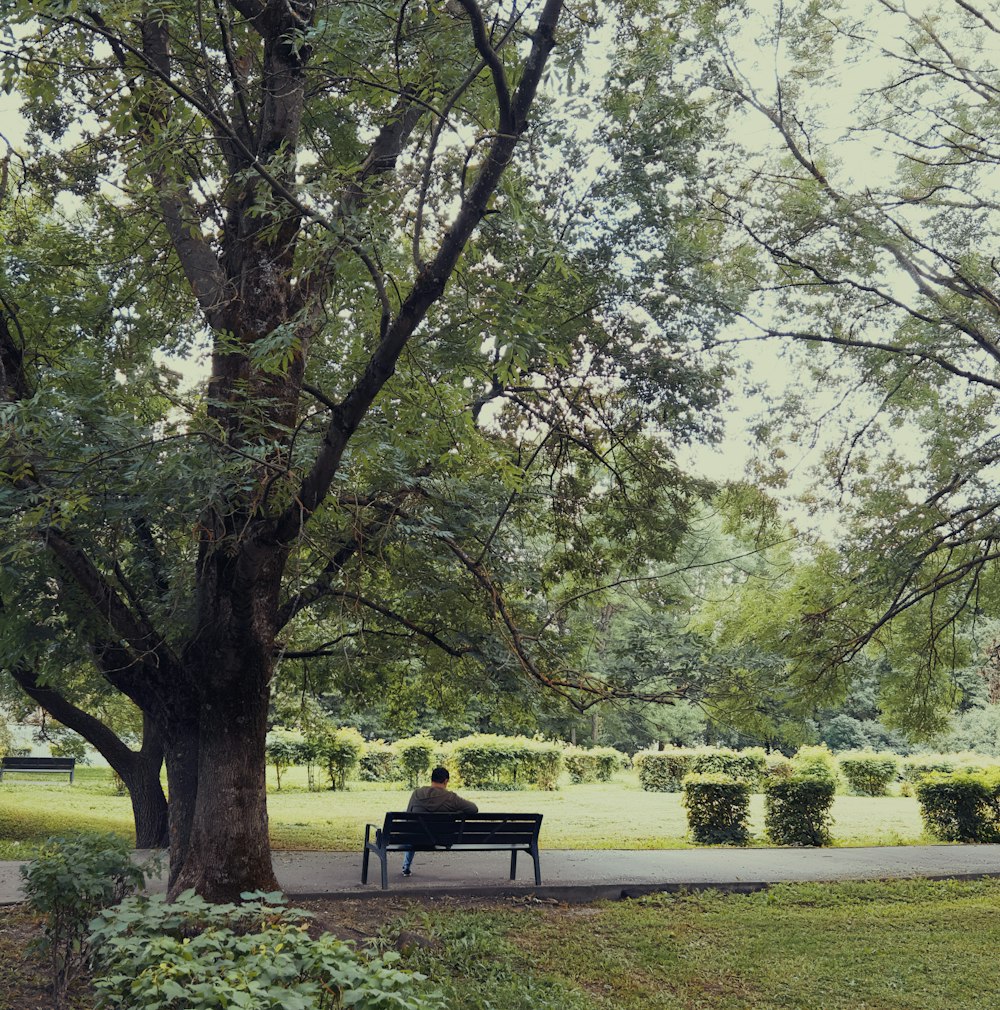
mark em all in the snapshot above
pixel 797 810
pixel 70 880
pixel 379 763
pixel 539 762
pixel 961 806
pixel 581 764
pixel 663 771
pixel 778 766
pixel 868 773
pixel 816 763
pixel 339 752
pixel 917 766
pixel 415 756
pixel 748 765
pixel 717 809
pixel 191 955
pixel 485 761
pixel 284 748
pixel 609 761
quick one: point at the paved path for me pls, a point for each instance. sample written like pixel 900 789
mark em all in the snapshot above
pixel 573 875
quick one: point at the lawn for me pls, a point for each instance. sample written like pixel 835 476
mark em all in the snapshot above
pixel 592 816
pixel 916 945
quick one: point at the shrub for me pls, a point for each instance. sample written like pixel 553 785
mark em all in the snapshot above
pixel 797 810
pixel 70 880
pixel 868 773
pixel 70 745
pixel 663 771
pixel 539 762
pixel 284 748
pixel 748 765
pixel 961 806
pixel 717 808
pixel 340 752
pixel 415 756
pixel 485 761
pixel 581 764
pixel 609 761
pixel 778 766
pixel 816 763
pixel 191 955
pixel 379 763
pixel 917 766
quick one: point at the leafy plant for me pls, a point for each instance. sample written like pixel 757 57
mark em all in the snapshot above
pixel 415 755
pixel 718 808
pixel 284 749
pixel 816 762
pixel 961 806
pixel 663 771
pixel 193 955
pixel 797 810
pixel 868 773
pixel 379 763
pixel 340 751
pixel 487 761
pixel 71 879
pixel 749 765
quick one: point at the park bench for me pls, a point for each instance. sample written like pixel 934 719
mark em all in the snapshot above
pixel 511 833
pixel 37 766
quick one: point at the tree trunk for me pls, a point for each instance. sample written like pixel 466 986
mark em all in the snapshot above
pixel 228 849
pixel 139 770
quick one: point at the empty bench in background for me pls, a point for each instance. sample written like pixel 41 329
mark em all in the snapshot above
pixel 511 833
pixel 37 766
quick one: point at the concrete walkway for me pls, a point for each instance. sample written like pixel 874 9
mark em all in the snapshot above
pixel 573 875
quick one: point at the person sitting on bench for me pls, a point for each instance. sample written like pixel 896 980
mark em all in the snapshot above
pixel 436 798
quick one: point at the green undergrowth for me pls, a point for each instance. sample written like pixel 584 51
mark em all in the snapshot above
pixel 853 946
pixel 612 815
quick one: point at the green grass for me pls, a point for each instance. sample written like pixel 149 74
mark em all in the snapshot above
pixel 916 945
pixel 615 815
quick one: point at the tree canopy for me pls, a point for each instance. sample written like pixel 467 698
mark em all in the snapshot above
pixel 448 337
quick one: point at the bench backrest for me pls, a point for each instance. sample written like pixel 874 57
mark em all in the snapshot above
pixel 432 830
pixel 32 764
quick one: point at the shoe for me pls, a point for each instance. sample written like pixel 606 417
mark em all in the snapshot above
pixel 407 872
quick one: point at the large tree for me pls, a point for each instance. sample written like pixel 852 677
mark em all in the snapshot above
pixel 862 203
pixel 430 384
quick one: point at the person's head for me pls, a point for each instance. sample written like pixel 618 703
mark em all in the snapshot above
pixel 440 776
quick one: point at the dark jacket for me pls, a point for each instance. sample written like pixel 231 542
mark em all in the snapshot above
pixel 432 800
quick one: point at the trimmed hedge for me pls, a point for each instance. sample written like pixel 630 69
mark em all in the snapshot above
pixel 597 764
pixel 748 765
pixel 486 761
pixel 868 773
pixel 797 810
pixel 961 806
pixel 663 771
pixel 816 762
pixel 718 807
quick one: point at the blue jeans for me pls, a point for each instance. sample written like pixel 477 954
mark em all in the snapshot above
pixel 407 859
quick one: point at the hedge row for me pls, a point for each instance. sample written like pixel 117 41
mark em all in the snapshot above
pixel 482 761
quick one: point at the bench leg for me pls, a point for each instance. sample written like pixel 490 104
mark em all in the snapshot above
pixel 364 866
pixel 513 864
pixel 385 870
pixel 538 869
